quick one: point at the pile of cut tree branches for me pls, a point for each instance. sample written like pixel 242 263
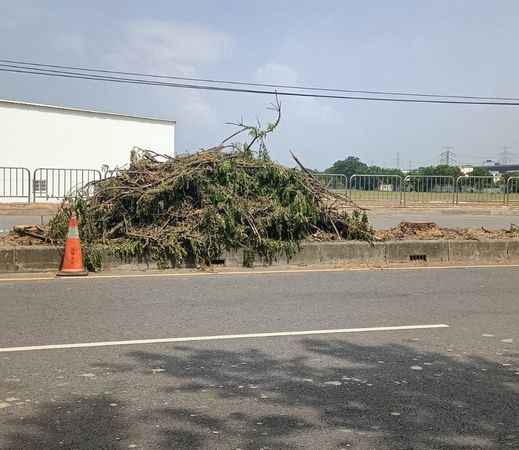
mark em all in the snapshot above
pixel 192 207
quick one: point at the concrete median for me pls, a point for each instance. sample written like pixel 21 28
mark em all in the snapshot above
pixel 26 259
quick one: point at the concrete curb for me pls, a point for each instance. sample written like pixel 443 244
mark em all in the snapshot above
pixel 47 258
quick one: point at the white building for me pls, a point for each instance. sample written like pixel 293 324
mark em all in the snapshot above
pixel 33 135
pixel 466 169
pixel 42 136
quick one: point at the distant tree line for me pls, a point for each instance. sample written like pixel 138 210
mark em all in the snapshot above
pixel 353 165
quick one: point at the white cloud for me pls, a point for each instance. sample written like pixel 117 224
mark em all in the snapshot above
pixel 171 48
pixel 276 73
pixel 168 47
pixel 302 108
pixel 69 44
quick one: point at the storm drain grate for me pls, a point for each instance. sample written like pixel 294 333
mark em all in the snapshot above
pixel 417 257
pixel 218 262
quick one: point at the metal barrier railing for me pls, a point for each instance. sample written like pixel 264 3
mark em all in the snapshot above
pixel 512 190
pixel 53 183
pixel 429 189
pixel 334 181
pixel 480 189
pixel 15 182
pixel 387 188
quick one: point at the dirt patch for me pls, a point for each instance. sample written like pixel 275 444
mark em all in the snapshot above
pixel 429 230
pixel 404 231
pixel 25 235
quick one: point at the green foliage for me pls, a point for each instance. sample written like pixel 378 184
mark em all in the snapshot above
pixel 349 166
pixel 440 170
pixel 508 175
pixel 480 172
pixel 376 170
pixel 191 208
pixel 353 165
pixel 92 256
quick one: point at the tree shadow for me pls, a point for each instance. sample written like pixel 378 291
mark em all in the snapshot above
pixel 390 395
pixel 74 423
pixel 334 394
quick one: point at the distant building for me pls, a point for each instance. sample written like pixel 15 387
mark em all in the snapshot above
pixel 466 170
pixel 43 147
pixel 502 168
pixel 34 135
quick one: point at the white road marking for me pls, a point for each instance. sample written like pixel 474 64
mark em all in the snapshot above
pixel 218 337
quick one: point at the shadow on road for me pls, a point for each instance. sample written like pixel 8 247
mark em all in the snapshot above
pixel 335 394
pixel 73 423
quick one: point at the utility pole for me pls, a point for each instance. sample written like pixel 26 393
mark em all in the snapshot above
pixel 398 160
pixel 447 156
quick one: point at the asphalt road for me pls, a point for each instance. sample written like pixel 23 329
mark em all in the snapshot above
pixel 448 388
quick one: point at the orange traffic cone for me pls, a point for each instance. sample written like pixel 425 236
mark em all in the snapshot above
pixel 72 265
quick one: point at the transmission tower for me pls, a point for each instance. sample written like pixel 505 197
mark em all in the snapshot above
pixel 447 157
pixel 398 160
pixel 505 156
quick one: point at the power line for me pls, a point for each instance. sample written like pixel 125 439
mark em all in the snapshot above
pixel 138 81
pixel 33 65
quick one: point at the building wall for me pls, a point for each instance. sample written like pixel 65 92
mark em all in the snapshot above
pixel 35 136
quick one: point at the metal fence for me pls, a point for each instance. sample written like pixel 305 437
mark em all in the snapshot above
pixel 480 189
pixel 53 183
pixel 512 190
pixel 334 181
pixel 386 188
pixel 429 189
pixel 15 182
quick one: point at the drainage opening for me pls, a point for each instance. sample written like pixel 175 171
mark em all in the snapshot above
pixel 218 262
pixel 417 257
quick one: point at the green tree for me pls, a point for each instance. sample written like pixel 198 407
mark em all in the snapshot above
pixel 480 172
pixel 435 180
pixel 507 175
pixel 348 167
pixel 376 170
pixel 440 170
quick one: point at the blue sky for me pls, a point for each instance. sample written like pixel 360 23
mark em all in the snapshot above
pixel 466 47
